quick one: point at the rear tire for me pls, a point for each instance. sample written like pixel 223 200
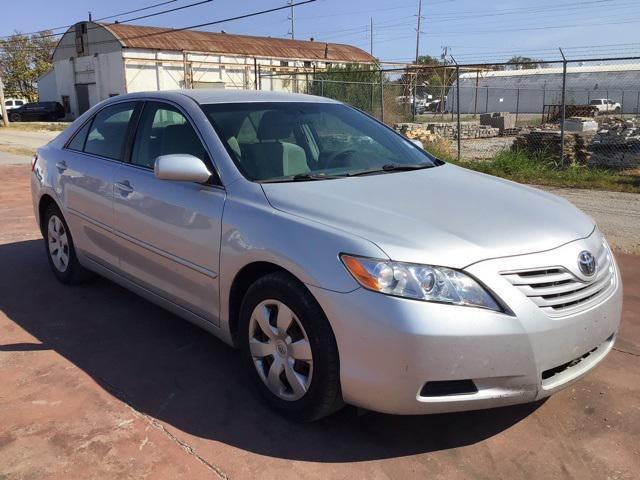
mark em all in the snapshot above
pixel 289 349
pixel 60 249
pixel 15 117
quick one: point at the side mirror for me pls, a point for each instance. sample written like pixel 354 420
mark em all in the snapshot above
pixel 181 167
pixel 417 143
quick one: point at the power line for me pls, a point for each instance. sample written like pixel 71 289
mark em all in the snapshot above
pixel 138 18
pixel 190 27
pixel 47 30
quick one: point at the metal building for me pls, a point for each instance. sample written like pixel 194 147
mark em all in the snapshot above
pixel 95 61
pixel 526 91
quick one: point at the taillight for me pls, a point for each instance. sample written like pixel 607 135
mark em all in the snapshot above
pixel 33 162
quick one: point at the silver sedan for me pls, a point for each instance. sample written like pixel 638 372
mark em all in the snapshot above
pixel 347 264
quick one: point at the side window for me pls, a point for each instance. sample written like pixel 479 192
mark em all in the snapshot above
pixel 108 132
pixel 8 103
pixel 19 103
pixel 163 130
pixel 78 140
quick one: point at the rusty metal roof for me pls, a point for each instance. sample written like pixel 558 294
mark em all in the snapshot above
pixel 158 38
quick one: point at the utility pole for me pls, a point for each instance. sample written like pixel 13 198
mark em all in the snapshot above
pixel 418 30
pixel 3 107
pixel 415 89
pixel 293 21
pixel 371 35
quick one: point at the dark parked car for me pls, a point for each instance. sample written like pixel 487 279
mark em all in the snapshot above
pixel 37 111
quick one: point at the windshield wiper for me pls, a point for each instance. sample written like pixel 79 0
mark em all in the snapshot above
pixel 303 177
pixel 393 167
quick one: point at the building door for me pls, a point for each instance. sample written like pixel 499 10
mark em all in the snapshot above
pixel 82 92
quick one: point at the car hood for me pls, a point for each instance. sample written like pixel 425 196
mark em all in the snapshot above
pixel 445 215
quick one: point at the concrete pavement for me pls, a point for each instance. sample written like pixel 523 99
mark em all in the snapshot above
pixel 98 383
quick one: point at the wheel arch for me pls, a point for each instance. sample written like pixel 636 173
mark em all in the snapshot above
pixel 45 202
pixel 243 279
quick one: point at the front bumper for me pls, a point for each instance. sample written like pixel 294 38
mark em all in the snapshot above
pixel 391 347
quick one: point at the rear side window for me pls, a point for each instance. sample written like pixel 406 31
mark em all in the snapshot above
pixel 77 143
pixel 108 132
pixel 19 103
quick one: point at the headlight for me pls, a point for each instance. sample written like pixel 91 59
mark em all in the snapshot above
pixel 420 282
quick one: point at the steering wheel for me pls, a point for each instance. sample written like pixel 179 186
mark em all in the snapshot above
pixel 340 159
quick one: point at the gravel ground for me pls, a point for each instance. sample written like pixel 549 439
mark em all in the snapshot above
pixel 617 214
pixel 484 148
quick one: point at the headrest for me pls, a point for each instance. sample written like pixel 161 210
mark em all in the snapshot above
pixel 181 139
pixel 275 126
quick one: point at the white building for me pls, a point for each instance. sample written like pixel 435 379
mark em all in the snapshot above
pixel 526 91
pixel 95 61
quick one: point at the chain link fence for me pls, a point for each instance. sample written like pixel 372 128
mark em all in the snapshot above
pixel 567 112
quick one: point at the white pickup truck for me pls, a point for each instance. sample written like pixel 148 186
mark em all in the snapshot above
pixel 604 105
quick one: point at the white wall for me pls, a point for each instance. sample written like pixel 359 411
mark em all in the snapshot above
pixel 47 91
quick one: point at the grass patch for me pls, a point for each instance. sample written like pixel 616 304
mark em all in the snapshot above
pixel 38 126
pixel 540 170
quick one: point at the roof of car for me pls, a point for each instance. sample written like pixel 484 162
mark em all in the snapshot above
pixel 244 96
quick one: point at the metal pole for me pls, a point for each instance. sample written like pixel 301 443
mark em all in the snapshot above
pixel 622 104
pixel 564 112
pixel 544 99
pixel 458 106
pixel 259 77
pixel 486 105
pixel 255 73
pixel 293 21
pixel 3 107
pixel 381 96
pixel 517 105
pixel 638 104
pixel 475 106
pixel 413 103
pixel 371 35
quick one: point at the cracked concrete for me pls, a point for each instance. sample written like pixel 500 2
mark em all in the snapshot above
pixel 98 383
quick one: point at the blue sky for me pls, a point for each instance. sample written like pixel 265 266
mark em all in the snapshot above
pixel 474 30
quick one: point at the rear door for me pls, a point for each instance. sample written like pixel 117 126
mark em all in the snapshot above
pixel 170 229
pixel 86 173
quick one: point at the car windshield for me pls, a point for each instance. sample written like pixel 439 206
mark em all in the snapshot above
pixel 291 141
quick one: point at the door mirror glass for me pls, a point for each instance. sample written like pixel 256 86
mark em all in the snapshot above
pixel 181 167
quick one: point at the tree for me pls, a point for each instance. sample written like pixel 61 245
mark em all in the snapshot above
pixel 353 84
pixel 518 62
pixel 23 59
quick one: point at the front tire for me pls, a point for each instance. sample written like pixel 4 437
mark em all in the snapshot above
pixel 60 249
pixel 289 349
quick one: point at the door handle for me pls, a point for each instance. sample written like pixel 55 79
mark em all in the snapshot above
pixel 124 187
pixel 61 166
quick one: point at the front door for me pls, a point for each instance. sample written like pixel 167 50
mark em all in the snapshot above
pixel 170 229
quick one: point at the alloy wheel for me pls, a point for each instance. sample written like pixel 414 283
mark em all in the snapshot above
pixel 280 350
pixel 58 242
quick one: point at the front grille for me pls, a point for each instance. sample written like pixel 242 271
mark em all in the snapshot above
pixel 557 291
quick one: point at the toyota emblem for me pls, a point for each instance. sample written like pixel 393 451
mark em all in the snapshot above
pixel 587 263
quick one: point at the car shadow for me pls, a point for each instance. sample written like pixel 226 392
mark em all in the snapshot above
pixel 169 369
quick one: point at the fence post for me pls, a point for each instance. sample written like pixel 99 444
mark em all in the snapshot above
pixel 372 88
pixel 638 104
pixel 517 105
pixel 544 99
pixel 381 95
pixel 458 106
pixel 475 100
pixel 322 87
pixel 564 112
pixel 622 104
pixel 486 104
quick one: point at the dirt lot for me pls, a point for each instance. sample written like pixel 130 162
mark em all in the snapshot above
pixel 98 383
